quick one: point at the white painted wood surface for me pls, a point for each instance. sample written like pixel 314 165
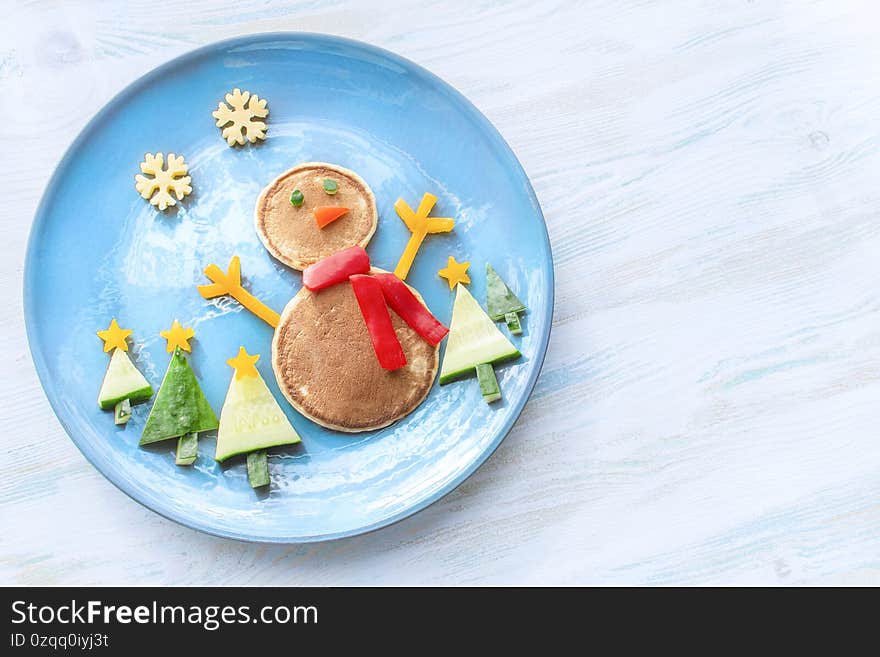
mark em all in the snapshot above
pixel 709 410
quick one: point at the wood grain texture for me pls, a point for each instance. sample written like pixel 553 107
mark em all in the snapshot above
pixel 708 410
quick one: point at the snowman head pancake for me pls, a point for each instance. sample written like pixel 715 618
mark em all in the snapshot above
pixel 290 232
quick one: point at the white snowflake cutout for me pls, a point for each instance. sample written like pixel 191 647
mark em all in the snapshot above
pixel 172 178
pixel 240 118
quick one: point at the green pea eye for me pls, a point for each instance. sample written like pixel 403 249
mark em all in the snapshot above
pixel 296 198
pixel 330 186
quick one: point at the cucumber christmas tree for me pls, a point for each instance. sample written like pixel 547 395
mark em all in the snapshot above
pixel 474 345
pixel 502 302
pixel 251 420
pixel 181 410
pixel 123 384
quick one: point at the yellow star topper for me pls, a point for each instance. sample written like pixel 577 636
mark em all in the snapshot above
pixel 455 272
pixel 244 364
pixel 177 336
pixel 114 336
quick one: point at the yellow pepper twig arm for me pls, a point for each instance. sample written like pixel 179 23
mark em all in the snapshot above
pixel 409 254
pixel 440 225
pixel 420 225
pixel 426 205
pixel 213 290
pixel 406 213
pixel 235 270
pixel 229 282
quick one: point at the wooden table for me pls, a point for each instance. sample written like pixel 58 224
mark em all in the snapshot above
pixel 709 411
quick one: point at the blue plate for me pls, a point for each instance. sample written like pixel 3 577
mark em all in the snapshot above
pixel 97 251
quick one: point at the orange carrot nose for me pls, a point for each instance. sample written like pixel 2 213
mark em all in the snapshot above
pixel 326 214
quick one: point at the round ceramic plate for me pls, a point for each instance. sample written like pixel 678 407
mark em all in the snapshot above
pixel 97 250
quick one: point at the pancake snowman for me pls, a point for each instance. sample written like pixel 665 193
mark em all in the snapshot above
pixel 324 350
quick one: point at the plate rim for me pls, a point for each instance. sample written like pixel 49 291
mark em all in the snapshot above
pixel 39 219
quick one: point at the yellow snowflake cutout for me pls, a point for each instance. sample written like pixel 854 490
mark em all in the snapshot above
pixel 241 118
pixel 166 179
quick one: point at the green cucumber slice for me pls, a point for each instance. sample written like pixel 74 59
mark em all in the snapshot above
pixel 513 324
pixel 473 339
pixel 488 383
pixel 123 381
pixel 180 405
pixel 122 412
pixel 187 449
pixel 258 469
pixel 500 300
pixel 251 419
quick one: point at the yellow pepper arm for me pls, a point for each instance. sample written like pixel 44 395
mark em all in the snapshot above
pixel 438 225
pixel 257 307
pixel 212 290
pixel 235 270
pixel 426 205
pixel 230 283
pixel 409 254
pixel 223 283
pixel 419 225
pixel 406 213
